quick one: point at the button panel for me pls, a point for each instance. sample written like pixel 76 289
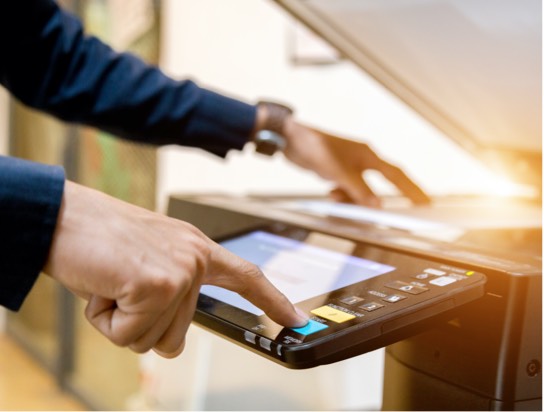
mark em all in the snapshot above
pixel 362 303
pixel 415 287
pixel 421 284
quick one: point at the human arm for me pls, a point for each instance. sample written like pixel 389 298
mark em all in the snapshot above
pixel 141 272
pixel 80 79
pixel 337 159
pixel 50 64
pixel 343 162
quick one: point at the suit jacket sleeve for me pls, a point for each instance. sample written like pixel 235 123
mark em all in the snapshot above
pixel 30 198
pixel 50 64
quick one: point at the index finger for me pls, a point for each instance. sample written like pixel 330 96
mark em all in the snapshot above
pixel 238 275
pixel 410 189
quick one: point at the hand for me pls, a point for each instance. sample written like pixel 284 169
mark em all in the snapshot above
pixel 343 162
pixel 141 271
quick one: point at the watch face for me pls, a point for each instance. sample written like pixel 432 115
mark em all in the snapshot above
pixel 268 142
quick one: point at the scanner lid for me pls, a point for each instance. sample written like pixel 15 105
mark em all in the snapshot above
pixel 473 68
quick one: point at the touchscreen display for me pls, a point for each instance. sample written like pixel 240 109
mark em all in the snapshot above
pixel 301 269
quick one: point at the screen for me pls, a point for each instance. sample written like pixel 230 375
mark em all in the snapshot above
pixel 299 269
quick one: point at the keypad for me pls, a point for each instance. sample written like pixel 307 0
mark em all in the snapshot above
pixel 374 299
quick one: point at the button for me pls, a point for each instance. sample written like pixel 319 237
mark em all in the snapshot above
pixel 351 300
pixel 250 337
pixel 371 306
pixel 265 343
pixel 376 293
pixel 332 314
pixel 311 327
pixel 435 272
pixel 406 287
pixel 443 281
pixel 457 277
pixel 394 298
pixel 423 276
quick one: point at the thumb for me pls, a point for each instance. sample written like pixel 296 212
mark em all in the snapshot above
pixel 121 327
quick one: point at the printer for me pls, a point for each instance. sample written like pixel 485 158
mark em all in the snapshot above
pixel 473 69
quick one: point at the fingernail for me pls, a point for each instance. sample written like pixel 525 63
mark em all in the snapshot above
pixel 304 318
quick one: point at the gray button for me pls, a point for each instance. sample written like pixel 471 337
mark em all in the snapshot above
pixel 351 300
pixel 250 337
pixel 371 306
pixel 265 343
pixel 394 298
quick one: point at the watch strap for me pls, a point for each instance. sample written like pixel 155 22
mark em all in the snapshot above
pixel 269 139
pixel 277 114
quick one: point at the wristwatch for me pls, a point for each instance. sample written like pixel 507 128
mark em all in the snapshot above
pixel 270 138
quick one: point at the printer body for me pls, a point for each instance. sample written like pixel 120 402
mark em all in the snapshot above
pixel 473 70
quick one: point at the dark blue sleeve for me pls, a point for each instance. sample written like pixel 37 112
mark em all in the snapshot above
pixel 30 199
pixel 48 63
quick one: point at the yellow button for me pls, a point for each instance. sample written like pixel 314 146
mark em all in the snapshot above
pixel 332 314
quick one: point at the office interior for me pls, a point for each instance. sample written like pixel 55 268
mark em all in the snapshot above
pixel 249 49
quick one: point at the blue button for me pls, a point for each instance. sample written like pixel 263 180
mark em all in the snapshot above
pixel 311 327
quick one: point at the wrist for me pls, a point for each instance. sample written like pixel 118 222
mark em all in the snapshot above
pixel 271 127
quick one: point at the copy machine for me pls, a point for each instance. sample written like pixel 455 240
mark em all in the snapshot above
pixel 473 69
